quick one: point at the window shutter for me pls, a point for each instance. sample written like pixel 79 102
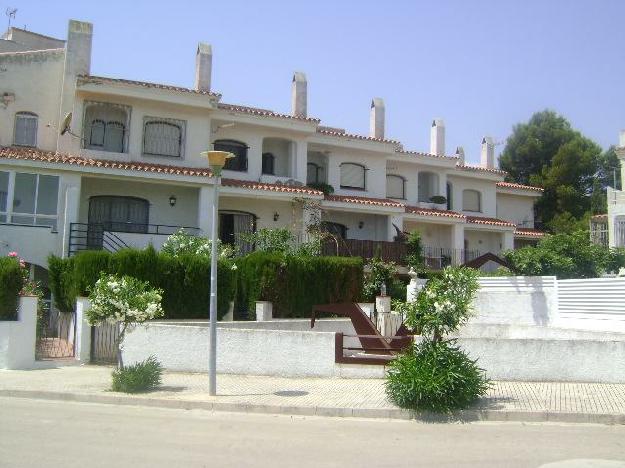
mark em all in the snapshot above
pixel 26 129
pixel 471 200
pixel 352 176
pixel 394 186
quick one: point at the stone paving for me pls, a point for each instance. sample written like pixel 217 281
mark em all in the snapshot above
pixel 347 395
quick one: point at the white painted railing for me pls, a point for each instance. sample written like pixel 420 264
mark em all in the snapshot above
pixel 597 298
pixel 516 283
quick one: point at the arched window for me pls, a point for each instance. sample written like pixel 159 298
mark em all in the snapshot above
pixel 395 186
pixel 163 137
pixel 25 129
pixel 269 164
pixel 471 200
pixel 336 229
pixel 450 194
pixel 105 126
pixel 428 186
pixel 239 149
pixel 353 176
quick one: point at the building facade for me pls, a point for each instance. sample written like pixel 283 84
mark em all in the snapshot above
pixel 96 162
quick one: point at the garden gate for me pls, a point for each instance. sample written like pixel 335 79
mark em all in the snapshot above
pixel 103 349
pixel 56 334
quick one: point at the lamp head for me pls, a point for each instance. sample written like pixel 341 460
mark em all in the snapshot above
pixel 217 160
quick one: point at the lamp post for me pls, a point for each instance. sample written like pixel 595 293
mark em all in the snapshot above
pixel 216 161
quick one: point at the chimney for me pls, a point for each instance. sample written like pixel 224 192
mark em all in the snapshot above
pixel 621 139
pixel 78 48
pixel 299 95
pixel 488 153
pixel 620 151
pixel 203 67
pixel 437 137
pixel 376 120
pixel 460 155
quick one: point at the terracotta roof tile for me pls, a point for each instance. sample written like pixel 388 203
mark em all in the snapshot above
pixel 427 155
pixel 528 232
pixel 491 221
pixel 263 112
pixel 519 186
pixel 32 154
pixel 252 185
pixel 465 167
pixel 335 132
pixel 86 79
pixel 433 212
pixel 364 200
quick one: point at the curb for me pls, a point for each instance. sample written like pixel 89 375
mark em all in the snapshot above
pixel 471 415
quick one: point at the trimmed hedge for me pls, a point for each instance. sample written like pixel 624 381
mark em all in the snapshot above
pixel 11 283
pixel 295 283
pixel 185 280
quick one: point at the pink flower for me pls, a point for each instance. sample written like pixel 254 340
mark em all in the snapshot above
pixel 12 254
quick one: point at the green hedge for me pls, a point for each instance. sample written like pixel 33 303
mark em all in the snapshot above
pixel 294 283
pixel 11 283
pixel 185 280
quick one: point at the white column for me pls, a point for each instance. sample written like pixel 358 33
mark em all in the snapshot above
pixel 457 243
pixel 334 173
pixel 19 337
pixel 508 240
pixel 300 156
pixel 71 212
pixel 442 184
pixel 82 346
pixel 205 204
pixel 397 220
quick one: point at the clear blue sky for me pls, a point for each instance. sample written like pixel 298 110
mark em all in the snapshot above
pixel 481 65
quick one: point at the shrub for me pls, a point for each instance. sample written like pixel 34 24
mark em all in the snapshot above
pixel 11 283
pixel 380 274
pixel 140 377
pixel 435 376
pixel 184 279
pixel 414 256
pixel 183 243
pixel 294 284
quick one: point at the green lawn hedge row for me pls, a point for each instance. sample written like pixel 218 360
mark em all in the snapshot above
pixel 294 283
pixel 184 280
pixel 11 282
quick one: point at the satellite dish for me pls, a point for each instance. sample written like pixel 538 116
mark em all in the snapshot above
pixel 67 122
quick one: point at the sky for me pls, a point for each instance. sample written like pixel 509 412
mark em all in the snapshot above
pixel 481 65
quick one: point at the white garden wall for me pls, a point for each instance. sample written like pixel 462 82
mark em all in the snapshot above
pixel 17 337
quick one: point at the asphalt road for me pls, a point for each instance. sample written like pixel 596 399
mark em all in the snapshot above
pixel 36 433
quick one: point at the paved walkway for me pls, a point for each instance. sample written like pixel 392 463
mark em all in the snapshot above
pixel 521 401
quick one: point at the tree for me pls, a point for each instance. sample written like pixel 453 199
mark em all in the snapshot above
pixel 548 153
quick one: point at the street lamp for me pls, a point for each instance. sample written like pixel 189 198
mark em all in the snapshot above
pixel 216 161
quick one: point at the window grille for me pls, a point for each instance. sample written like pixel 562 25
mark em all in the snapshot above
pixel 395 186
pixel 471 200
pixel 163 137
pixel 353 176
pixel 106 126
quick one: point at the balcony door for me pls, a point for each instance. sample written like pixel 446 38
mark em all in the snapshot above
pixel 232 225
pixel 117 214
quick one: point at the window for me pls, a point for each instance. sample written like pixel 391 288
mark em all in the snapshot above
pixel 239 162
pixel 28 198
pixel 449 196
pixel 471 200
pixel 25 129
pixel 428 186
pixel 105 126
pixel 336 229
pixel 395 186
pixel 353 176
pixel 163 137
pixel 314 173
pixel 269 162
pixel 4 195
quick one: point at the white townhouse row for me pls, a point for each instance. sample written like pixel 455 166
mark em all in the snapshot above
pixel 127 169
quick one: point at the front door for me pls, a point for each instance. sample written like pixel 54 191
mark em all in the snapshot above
pixel 115 213
pixel 232 226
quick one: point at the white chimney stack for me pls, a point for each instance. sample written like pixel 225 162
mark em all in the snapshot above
pixel 376 120
pixel 460 155
pixel 203 67
pixel 437 137
pixel 299 95
pixel 621 139
pixel 488 153
pixel 78 48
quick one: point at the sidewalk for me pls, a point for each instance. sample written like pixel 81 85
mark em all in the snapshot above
pixel 506 401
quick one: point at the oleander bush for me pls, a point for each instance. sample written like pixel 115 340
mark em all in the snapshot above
pixel 11 283
pixel 140 377
pixel 435 374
